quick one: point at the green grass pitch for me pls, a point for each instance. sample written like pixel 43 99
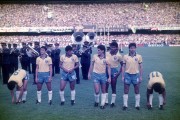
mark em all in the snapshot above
pixel 164 59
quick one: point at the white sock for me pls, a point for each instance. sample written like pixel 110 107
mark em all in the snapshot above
pixel 160 99
pixel 61 93
pixel 50 95
pixel 73 94
pixel 39 96
pixel 17 94
pixel 150 99
pixel 113 98
pixel 137 98
pixel 96 98
pixel 103 99
pixel 24 96
pixel 125 100
pixel 106 98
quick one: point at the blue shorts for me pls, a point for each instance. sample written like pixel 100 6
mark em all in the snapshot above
pixel 68 76
pixel 99 78
pixel 114 71
pixel 43 77
pixel 131 78
pixel 26 77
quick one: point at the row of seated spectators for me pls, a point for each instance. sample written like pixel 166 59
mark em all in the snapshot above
pixel 167 39
pixel 138 14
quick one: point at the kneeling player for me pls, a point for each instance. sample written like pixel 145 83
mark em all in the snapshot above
pixel 156 83
pixel 19 78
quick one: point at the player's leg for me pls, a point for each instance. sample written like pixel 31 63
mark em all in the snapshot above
pixel 125 96
pixel 149 95
pixel 107 87
pixel 25 82
pixel 135 81
pixel 137 96
pixel 73 92
pixel 61 92
pixel 39 87
pixel 127 82
pixel 48 84
pixel 103 94
pixel 96 93
pixel 113 87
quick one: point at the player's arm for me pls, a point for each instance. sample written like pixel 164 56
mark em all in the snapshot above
pixel 37 69
pixel 90 70
pixel 140 72
pixel 120 69
pixel 109 72
pixel 50 72
pixel 123 70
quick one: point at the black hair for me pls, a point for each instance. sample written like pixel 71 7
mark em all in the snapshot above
pixel 132 44
pixel 68 48
pixel 114 43
pixel 11 85
pixel 43 47
pixel 157 87
pixel 102 47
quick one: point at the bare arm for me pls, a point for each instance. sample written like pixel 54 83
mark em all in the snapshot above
pixel 123 70
pixel 50 72
pixel 140 72
pixel 37 69
pixel 109 73
pixel 90 70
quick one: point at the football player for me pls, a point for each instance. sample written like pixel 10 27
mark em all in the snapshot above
pixel 20 79
pixel 156 83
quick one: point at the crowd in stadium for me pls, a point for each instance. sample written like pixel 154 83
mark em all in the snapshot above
pixel 139 14
pixel 64 40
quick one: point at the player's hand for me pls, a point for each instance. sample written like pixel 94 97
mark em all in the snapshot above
pixel 140 79
pixel 65 70
pixel 70 71
pixel 122 79
pixel 36 80
pixel 50 79
pixel 89 76
pixel 116 75
pixel 109 80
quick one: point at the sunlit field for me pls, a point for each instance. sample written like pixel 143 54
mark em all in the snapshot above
pixel 163 59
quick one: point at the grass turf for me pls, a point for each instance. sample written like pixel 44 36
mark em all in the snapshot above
pixel 165 59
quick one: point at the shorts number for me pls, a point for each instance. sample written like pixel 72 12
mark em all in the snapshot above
pixel 16 72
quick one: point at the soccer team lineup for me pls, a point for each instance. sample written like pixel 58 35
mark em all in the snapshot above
pixel 89 59
pixel 103 69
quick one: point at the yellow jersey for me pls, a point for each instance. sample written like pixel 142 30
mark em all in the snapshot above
pixel 114 60
pixel 18 77
pixel 44 64
pixel 155 77
pixel 132 63
pixel 69 62
pixel 99 64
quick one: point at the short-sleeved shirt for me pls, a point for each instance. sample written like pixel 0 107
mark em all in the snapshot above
pixel 18 77
pixel 132 63
pixel 99 64
pixel 69 62
pixel 155 77
pixel 44 64
pixel 114 60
